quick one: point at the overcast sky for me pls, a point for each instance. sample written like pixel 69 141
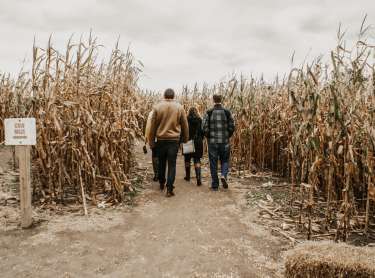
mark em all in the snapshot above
pixel 182 42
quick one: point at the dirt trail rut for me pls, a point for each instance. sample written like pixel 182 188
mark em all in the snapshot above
pixel 197 233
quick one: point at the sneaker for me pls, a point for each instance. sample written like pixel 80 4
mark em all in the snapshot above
pixel 224 182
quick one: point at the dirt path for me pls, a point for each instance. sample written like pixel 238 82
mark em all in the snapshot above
pixel 197 233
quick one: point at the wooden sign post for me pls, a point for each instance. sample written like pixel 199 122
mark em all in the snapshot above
pixel 21 133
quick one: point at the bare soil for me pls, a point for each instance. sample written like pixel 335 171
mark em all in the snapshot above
pixel 197 233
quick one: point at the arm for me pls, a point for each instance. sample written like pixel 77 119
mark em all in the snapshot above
pixel 231 124
pixel 200 130
pixel 205 124
pixel 153 129
pixel 184 126
pixel 148 126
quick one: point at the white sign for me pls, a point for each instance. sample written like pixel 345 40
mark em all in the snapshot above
pixel 20 131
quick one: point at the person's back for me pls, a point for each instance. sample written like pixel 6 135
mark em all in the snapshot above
pixel 168 125
pixel 169 118
pixel 218 127
pixel 195 134
pixel 221 125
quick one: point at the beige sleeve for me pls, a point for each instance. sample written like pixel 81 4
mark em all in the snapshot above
pixel 153 128
pixel 184 126
pixel 148 126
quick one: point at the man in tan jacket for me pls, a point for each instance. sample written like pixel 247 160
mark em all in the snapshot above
pixel 168 125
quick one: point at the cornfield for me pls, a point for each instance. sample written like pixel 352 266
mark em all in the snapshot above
pixel 88 115
pixel 316 127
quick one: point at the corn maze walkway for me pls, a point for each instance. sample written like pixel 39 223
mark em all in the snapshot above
pixel 197 233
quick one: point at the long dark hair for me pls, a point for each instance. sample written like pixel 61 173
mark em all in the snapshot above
pixel 194 113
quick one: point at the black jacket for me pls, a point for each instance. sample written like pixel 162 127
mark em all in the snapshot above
pixel 196 134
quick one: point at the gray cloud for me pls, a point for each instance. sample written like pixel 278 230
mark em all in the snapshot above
pixel 315 26
pixel 186 41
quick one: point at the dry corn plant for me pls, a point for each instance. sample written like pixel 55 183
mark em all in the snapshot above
pixel 88 116
pixel 316 127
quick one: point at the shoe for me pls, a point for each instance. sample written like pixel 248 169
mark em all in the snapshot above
pixel 214 189
pixel 155 179
pixel 224 182
pixel 162 187
pixel 169 194
pixel 187 178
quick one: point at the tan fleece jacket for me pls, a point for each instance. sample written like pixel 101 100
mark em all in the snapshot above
pixel 148 127
pixel 168 122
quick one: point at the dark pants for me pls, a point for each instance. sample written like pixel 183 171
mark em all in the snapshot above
pixel 218 152
pixel 154 151
pixel 189 157
pixel 155 162
pixel 167 152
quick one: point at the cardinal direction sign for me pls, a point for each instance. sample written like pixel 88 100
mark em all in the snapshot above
pixel 20 131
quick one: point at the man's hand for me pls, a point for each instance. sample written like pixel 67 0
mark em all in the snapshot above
pixel 152 145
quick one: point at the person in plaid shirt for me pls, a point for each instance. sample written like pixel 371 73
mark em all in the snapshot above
pixel 218 126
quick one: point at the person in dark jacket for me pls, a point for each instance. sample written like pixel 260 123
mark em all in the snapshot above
pixel 218 126
pixel 196 134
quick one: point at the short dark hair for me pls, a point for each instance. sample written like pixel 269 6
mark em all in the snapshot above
pixel 169 93
pixel 217 98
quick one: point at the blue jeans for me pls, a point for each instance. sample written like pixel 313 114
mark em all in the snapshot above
pixel 218 152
